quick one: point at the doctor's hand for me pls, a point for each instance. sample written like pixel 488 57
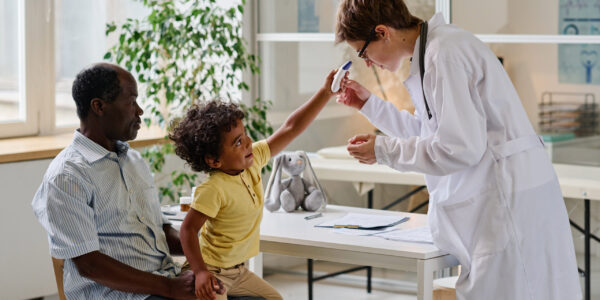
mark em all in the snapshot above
pixel 353 95
pixel 362 147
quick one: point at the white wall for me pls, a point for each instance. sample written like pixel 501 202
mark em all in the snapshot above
pixel 24 255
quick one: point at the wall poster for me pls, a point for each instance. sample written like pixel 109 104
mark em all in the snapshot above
pixel 578 63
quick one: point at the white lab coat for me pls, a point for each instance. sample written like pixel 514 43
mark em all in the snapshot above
pixel 495 201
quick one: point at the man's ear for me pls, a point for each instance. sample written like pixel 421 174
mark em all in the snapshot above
pixel 212 162
pixel 97 106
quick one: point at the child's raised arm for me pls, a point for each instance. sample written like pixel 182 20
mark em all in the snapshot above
pixel 298 120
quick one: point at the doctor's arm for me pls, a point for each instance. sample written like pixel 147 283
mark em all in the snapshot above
pixel 461 137
pixel 383 114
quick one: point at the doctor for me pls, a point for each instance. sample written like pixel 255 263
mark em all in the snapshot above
pixel 496 204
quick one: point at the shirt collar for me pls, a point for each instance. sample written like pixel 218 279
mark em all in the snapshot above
pixel 93 152
pixel 435 21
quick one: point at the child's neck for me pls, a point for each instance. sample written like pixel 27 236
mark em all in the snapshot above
pixel 231 172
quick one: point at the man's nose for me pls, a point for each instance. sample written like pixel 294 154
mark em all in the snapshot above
pixel 140 111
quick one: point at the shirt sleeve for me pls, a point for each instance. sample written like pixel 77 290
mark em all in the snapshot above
pixel 391 121
pixel 207 200
pixel 460 139
pixel 262 153
pixel 68 216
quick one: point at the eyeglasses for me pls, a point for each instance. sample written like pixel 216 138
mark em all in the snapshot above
pixel 361 53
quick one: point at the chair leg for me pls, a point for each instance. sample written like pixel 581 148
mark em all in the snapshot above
pixel 58 265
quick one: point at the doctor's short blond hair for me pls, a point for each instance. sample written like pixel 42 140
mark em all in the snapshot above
pixel 356 18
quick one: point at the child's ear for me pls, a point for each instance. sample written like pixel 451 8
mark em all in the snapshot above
pixel 212 162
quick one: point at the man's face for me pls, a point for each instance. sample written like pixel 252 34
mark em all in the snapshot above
pixel 122 116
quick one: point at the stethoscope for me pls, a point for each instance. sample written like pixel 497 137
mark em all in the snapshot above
pixel 423 42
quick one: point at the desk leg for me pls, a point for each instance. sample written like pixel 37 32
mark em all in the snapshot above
pixel 255 265
pixel 588 268
pixel 370 199
pixel 425 283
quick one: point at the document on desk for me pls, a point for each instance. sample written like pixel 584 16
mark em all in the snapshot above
pixel 364 221
pixel 415 235
pixel 369 232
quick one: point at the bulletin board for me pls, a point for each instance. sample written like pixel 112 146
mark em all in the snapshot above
pixel 579 64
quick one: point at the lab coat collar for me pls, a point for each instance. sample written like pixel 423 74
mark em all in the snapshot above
pixel 435 21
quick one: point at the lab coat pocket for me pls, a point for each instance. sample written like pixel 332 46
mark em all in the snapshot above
pixel 481 222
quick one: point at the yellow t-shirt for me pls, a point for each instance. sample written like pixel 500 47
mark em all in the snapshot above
pixel 234 205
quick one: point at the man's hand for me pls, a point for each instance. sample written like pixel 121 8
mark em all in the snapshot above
pixel 206 285
pixel 362 147
pixel 353 95
pixel 182 286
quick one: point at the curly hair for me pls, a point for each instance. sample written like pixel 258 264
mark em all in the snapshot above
pixel 98 81
pixel 200 133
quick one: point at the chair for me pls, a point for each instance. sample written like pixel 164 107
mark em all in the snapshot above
pixel 58 265
pixel 444 288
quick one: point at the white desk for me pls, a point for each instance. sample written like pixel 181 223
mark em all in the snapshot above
pixel 578 182
pixel 289 234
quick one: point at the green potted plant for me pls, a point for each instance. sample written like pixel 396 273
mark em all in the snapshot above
pixel 186 52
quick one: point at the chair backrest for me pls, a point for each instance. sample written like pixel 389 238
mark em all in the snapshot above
pixel 58 275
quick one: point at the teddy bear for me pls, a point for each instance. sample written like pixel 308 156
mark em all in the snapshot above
pixel 300 189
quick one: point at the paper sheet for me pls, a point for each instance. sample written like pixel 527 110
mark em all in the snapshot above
pixel 415 235
pixel 361 232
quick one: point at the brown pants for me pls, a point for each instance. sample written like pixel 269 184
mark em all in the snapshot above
pixel 239 281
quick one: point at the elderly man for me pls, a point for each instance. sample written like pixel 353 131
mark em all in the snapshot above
pixel 99 204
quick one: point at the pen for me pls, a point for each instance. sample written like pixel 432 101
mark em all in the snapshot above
pixel 346 226
pixel 313 216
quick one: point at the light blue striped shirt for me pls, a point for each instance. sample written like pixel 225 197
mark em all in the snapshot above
pixel 92 199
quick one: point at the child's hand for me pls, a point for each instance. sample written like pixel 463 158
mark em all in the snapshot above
pixel 205 285
pixel 327 85
pixel 353 95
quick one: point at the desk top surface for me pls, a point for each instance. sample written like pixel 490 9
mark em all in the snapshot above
pixel 292 228
pixel 581 182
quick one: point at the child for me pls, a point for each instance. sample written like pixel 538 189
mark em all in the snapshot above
pixel 228 207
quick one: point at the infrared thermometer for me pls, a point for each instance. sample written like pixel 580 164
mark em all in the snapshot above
pixel 337 79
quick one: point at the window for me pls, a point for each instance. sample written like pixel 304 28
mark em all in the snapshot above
pixel 12 106
pixel 297 50
pixel 80 41
pixel 43 44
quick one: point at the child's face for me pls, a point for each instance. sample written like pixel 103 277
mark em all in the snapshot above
pixel 236 151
